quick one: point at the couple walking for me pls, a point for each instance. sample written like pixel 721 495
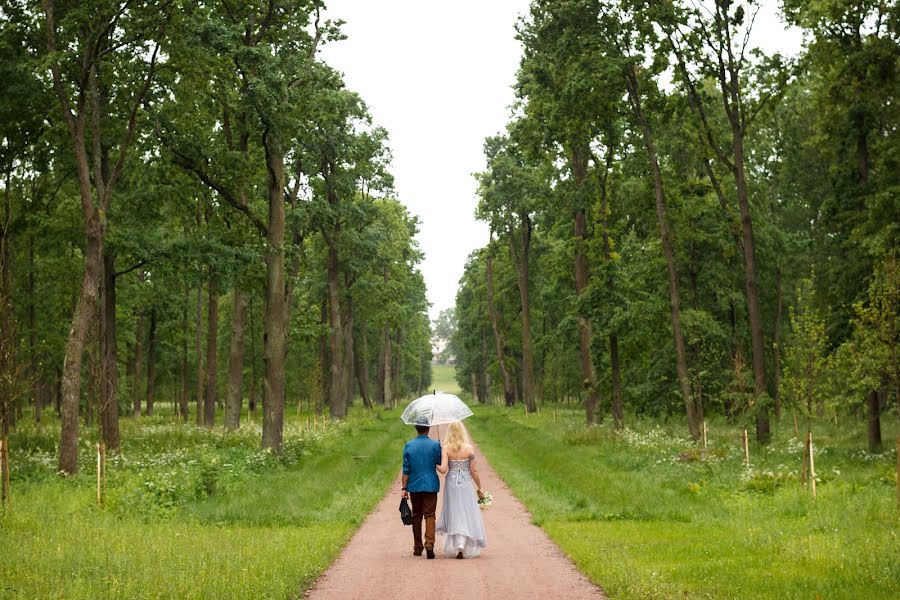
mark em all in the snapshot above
pixel 460 521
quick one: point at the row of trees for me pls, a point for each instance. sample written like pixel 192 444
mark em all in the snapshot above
pixel 680 220
pixel 189 179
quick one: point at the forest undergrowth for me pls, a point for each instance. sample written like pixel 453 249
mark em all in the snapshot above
pixel 646 513
pixel 191 512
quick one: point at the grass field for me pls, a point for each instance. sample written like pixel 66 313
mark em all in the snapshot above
pixel 192 513
pixel 645 515
pixel 443 378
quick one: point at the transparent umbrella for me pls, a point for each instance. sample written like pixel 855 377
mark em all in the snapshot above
pixel 435 409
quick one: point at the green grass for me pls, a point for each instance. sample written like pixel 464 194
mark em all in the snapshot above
pixel 192 513
pixel 443 378
pixel 645 515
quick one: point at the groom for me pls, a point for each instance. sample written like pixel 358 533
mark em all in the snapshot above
pixel 421 484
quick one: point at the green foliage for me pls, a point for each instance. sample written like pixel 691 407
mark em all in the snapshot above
pixel 806 364
pixel 819 165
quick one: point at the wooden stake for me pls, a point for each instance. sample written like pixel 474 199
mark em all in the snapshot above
pixel 796 428
pixel 805 461
pixel 812 465
pixel 746 448
pixel 704 434
pixel 101 472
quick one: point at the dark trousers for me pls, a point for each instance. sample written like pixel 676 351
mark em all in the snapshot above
pixel 424 504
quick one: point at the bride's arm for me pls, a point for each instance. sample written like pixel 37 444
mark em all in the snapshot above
pixel 474 470
pixel 442 468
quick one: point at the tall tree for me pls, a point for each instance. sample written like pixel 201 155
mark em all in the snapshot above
pixel 718 46
pixel 509 189
pixel 100 85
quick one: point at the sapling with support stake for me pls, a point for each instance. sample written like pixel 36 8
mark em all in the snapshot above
pixel 808 463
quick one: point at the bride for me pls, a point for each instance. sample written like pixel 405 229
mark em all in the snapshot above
pixel 460 519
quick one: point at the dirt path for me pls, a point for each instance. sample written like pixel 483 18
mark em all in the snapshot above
pixel 519 562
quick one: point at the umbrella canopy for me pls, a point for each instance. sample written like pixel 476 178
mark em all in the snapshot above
pixel 435 409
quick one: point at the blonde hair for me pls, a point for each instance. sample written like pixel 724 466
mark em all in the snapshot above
pixel 457 436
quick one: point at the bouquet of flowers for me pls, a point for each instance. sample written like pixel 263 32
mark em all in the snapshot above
pixel 484 500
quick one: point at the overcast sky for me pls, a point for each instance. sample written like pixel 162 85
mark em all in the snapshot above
pixel 438 77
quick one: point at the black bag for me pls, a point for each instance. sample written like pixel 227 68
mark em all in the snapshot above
pixel 405 512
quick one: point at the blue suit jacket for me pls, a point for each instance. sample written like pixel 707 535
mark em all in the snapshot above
pixel 420 457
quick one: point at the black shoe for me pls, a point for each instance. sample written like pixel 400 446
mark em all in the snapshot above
pixel 417 553
pixel 429 552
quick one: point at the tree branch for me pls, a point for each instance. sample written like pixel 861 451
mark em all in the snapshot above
pixel 54 69
pixel 132 122
pixel 130 269
pixel 696 103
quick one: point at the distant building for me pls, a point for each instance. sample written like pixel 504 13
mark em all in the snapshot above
pixel 439 353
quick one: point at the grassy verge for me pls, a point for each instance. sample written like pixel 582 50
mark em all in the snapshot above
pixel 645 515
pixel 443 378
pixel 192 513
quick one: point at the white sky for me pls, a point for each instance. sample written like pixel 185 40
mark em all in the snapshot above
pixel 438 77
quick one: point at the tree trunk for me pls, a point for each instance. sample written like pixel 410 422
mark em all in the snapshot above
pixel 756 331
pixel 136 361
pixel 336 399
pixel 509 395
pixel 8 341
pixel 873 413
pixel 92 393
pixel 151 362
pixel 672 270
pixel 362 370
pixel 424 359
pixel 109 381
pixel 235 395
pixel 582 274
pixel 36 392
pixel 862 154
pixel 274 326
pixel 251 401
pixel 697 346
pixel 616 373
pixel 615 368
pixel 81 322
pixel 199 349
pixel 379 396
pixel 483 386
pixel 776 345
pixel 185 380
pixel 322 375
pixel 347 369
pixel 388 369
pixel 522 259
pixel 212 341
pixel 397 376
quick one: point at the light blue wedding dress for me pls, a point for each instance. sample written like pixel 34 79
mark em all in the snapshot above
pixel 460 521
